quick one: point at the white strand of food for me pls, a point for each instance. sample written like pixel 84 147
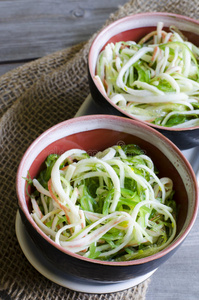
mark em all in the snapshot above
pixel 121 152
pixel 101 220
pixel 169 97
pixel 189 112
pixel 171 81
pixel 81 169
pixel 160 61
pixel 159 32
pixel 109 87
pixel 108 52
pixel 106 155
pixel 123 70
pixel 194 83
pixel 40 188
pixel 117 48
pixel 168 186
pixel 177 37
pixel 43 201
pixel 66 187
pixel 91 174
pixel 112 174
pixel 187 62
pixel 167 37
pixel 58 233
pixel 118 63
pixel 98 81
pixel 119 99
pixel 69 171
pixel 80 244
pixel 126 75
pixel 175 58
pixel 44 228
pixel 82 217
pixel 165 60
pixel 148 161
pixel 52 204
pixel 145 114
pixel 149 193
pixel 54 223
pixel 103 247
pixel 152 110
pixel 167 182
pixel 120 164
pixel 143 233
pixel 156 179
pixel 147 59
pixel 50 214
pixel 154 203
pixel 187 124
pixel 36 208
pixel 172 70
pixel 93 216
pixel 186 86
pixel 56 182
pixel 147 86
pixel 74 195
pixel 155 56
pixel 167 214
pixel 128 51
pixel 126 240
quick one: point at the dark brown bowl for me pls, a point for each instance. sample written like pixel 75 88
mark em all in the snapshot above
pixel 133 28
pixel 95 133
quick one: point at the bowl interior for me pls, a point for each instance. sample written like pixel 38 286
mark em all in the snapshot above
pixel 133 28
pixel 136 26
pixel 154 144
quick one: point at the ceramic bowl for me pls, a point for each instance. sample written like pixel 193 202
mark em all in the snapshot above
pixel 133 28
pixel 94 133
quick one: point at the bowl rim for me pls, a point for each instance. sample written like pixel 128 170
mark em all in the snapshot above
pixel 110 27
pixel 70 122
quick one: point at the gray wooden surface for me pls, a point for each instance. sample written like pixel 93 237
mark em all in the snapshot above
pixel 34 28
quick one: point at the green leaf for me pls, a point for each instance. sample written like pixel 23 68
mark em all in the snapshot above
pixel 175 120
pixel 45 174
pixel 132 150
pixel 93 253
pixel 107 202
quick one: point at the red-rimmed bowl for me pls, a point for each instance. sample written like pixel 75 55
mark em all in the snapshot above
pixel 133 28
pixel 94 133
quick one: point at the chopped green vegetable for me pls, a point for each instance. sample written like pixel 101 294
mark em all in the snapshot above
pixel 153 79
pixel 109 207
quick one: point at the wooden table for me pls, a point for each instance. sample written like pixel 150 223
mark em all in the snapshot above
pixel 33 29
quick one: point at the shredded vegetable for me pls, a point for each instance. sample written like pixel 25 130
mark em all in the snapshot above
pixel 155 80
pixel 111 206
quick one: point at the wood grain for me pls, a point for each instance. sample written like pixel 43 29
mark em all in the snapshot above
pixel 31 29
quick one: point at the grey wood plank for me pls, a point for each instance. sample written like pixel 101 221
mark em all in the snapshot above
pixel 178 278
pixel 31 29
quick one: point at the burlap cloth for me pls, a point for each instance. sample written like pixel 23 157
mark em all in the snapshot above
pixel 33 98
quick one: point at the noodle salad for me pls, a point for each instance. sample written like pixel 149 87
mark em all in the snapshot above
pixel 155 80
pixel 111 206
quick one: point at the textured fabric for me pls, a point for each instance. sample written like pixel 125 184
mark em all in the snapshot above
pixel 33 98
